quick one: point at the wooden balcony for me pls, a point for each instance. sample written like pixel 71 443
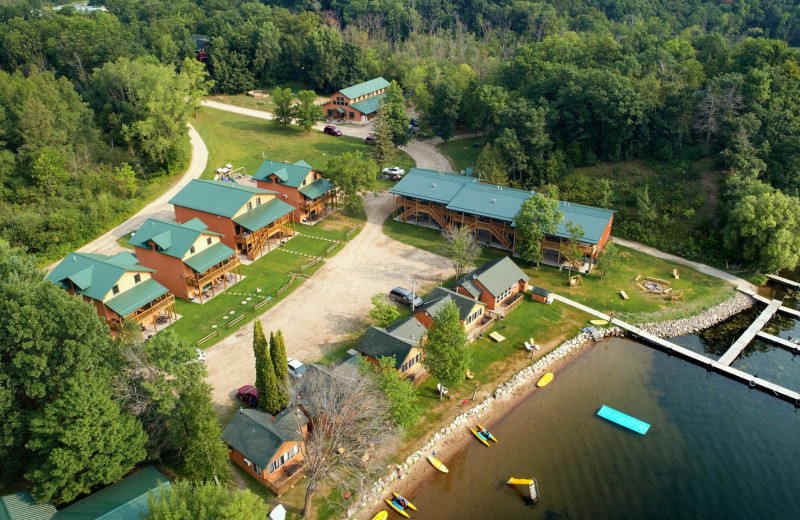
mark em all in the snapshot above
pixel 289 475
pixel 200 280
pixel 149 314
pixel 252 244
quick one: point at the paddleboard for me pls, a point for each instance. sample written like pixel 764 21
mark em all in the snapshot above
pixel 598 322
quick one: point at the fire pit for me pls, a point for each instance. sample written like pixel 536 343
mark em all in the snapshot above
pixel 652 286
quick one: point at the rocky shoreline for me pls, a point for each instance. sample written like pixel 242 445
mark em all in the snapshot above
pixel 530 374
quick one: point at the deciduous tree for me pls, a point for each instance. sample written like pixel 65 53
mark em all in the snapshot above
pixel 570 249
pixel 351 420
pixel 283 111
pixel 538 216
pixel 382 312
pixel 447 354
pixel 351 175
pixel 306 111
pixel 399 391
pixel 608 259
pixel 460 247
pixel 184 500
pixel 491 166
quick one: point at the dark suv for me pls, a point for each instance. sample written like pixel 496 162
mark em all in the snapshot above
pixel 402 295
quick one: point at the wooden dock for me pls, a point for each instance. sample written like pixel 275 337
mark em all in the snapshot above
pixel 759 323
pixel 794 313
pixel 791 346
pixel 783 281
pixel 709 364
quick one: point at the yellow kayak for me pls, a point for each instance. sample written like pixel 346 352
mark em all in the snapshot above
pixel 438 464
pixel 381 516
pixel 491 436
pixel 598 322
pixel 521 481
pixel 396 507
pixel 479 436
pixel 545 380
pixel 408 503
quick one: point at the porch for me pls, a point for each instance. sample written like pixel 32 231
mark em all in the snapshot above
pixel 252 243
pixel 151 317
pixel 290 474
pixel 216 279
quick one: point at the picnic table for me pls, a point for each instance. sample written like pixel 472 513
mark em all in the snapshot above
pixel 497 336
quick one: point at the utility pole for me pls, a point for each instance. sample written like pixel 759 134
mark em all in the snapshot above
pixel 413 291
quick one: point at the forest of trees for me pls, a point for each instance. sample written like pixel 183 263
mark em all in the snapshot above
pixel 553 85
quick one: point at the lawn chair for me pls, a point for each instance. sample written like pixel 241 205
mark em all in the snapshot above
pixel 528 346
pixel 441 389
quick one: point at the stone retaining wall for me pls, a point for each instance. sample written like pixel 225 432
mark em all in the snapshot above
pixel 704 320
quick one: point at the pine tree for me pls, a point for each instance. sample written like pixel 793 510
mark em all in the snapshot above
pixel 447 354
pixel 265 375
pixel 281 366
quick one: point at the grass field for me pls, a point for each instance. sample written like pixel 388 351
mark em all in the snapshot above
pixel 264 103
pixel 700 291
pixel 240 140
pixel 269 273
pixel 462 152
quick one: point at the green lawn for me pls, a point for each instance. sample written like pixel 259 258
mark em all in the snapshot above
pixel 264 103
pixel 240 140
pixel 308 245
pixel 700 291
pixel 462 152
pixel 269 273
pixel 123 240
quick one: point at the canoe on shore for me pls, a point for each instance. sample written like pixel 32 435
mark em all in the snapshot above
pixel 380 516
pixel 545 380
pixel 438 464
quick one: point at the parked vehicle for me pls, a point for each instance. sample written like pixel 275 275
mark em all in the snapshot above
pixel 248 394
pixel 201 356
pixel 414 122
pixel 296 368
pixel 369 139
pixel 395 173
pixel 332 130
pixel 403 295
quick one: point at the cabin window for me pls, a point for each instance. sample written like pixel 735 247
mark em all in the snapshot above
pixel 283 459
pixel 115 289
pixel 137 278
pixel 258 201
pixel 330 111
pixel 191 250
pixel 258 470
pixel 249 206
pixel 352 115
pixel 208 241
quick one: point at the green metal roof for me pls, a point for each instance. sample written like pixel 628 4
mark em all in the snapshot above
pixel 466 194
pixel 291 175
pixel 263 215
pixel 316 189
pixel 471 288
pixel 369 105
pixel 378 342
pixel 363 89
pixel 439 296
pixel 209 257
pixel 258 435
pixel 124 500
pixel 22 506
pixel 94 274
pixel 140 294
pixel 540 291
pixel 174 239
pixel 216 197
pixel 409 329
pixel 341 110
pixel 496 275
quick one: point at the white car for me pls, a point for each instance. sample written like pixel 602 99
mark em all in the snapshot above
pixel 394 173
pixel 296 368
pixel 201 356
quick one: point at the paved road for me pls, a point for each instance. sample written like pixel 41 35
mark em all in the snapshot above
pixel 160 208
pixel 331 306
pixel 424 153
pixel 703 268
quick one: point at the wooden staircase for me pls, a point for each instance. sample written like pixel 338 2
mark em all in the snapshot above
pixel 498 234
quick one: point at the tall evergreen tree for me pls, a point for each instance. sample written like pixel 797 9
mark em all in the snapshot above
pixel 280 364
pixel 205 457
pixel 265 375
pixel 383 147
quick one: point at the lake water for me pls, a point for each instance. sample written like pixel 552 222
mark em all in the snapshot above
pixel 715 449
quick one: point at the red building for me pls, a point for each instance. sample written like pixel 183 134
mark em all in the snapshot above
pixel 247 218
pixel 188 259
pixel 299 185
pixel 358 103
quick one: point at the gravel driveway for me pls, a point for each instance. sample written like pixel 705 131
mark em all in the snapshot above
pixel 332 305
